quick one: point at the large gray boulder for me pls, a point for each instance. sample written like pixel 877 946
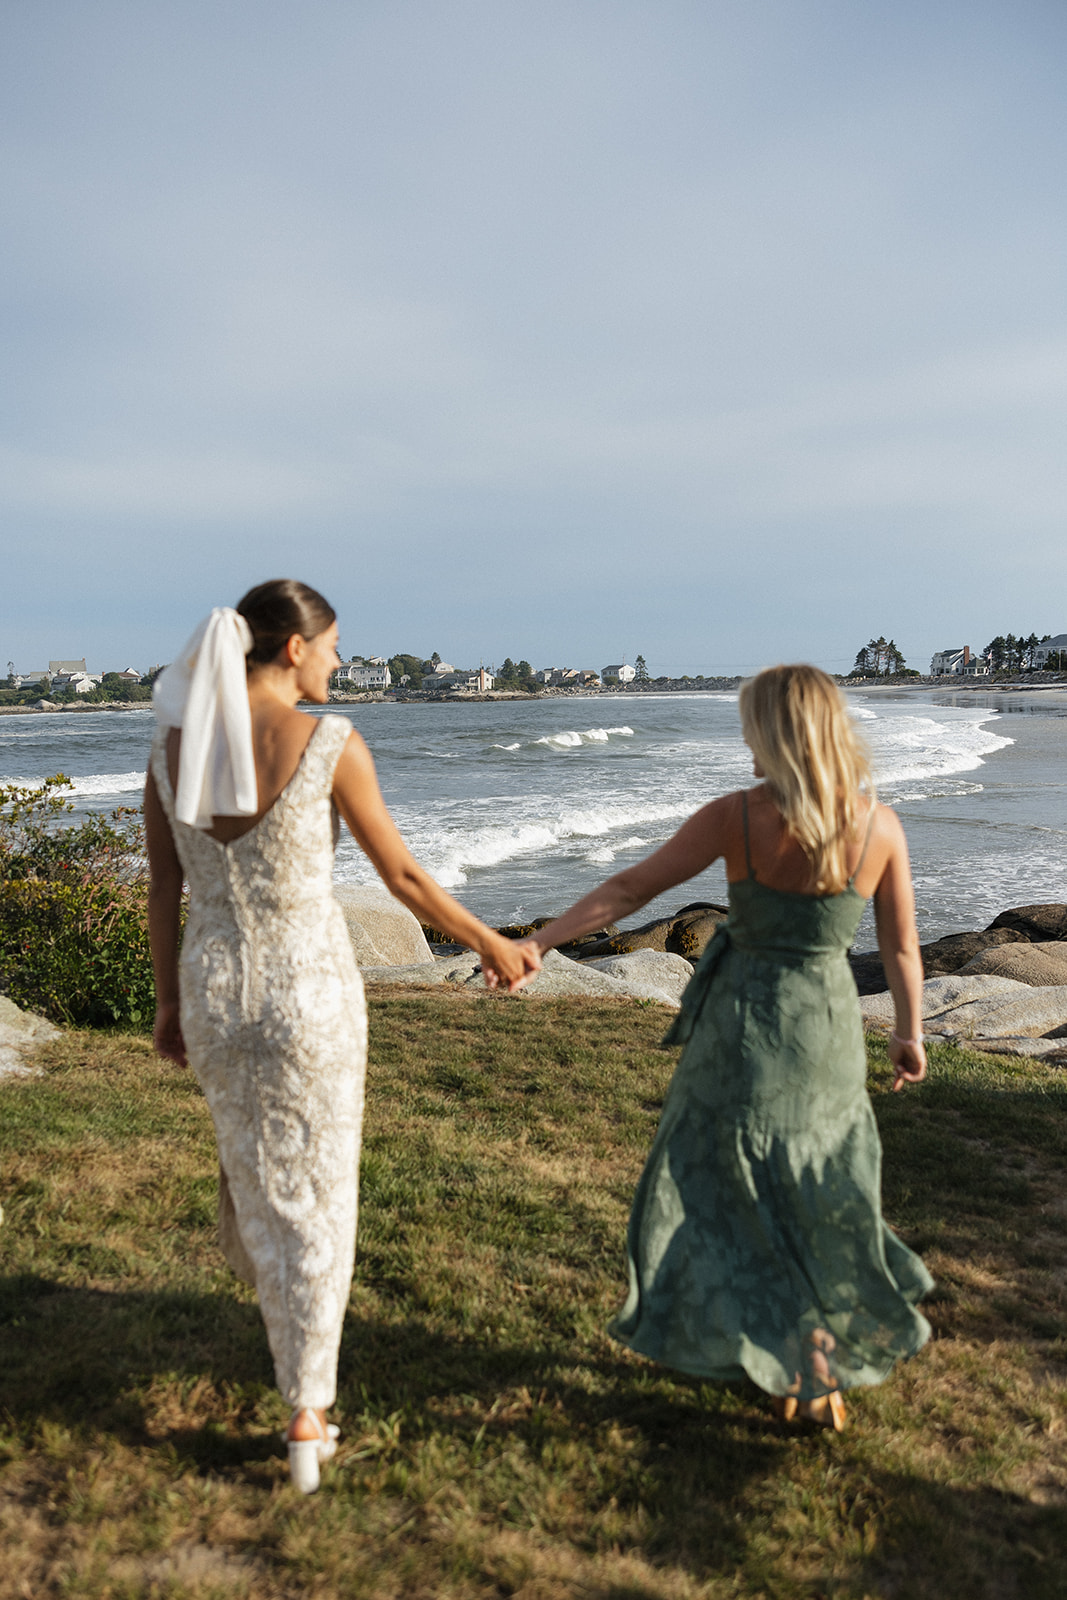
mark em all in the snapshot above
pixel 979 1006
pixel 1034 1014
pixel 558 976
pixel 21 1034
pixel 383 932
pixel 939 995
pixel 657 975
pixel 1041 965
pixel 451 969
pixel 1052 1051
pixel 940 956
pixel 561 976
pixel 1037 923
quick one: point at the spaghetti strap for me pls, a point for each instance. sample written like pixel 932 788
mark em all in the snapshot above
pixel 744 823
pixel 866 842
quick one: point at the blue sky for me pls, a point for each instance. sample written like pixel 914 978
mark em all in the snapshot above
pixel 719 332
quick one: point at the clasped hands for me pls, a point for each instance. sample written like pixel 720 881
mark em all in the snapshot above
pixel 510 963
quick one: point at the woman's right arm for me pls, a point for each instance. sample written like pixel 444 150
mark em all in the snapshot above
pixel 164 923
pixel 698 843
pixel 359 800
pixel 898 944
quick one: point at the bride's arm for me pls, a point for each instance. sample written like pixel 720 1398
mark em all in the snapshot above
pixel 359 800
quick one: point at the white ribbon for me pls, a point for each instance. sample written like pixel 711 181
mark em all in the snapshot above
pixel 205 694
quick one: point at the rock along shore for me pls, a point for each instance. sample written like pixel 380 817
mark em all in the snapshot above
pixel 1002 988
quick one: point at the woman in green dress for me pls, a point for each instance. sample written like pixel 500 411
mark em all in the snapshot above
pixel 756 1242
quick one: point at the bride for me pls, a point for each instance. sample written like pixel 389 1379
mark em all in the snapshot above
pixel 262 996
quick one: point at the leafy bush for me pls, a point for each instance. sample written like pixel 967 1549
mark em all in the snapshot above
pixel 73 910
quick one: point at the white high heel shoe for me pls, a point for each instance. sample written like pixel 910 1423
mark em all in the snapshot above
pixel 307 1455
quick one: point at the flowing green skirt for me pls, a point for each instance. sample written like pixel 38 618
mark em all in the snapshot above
pixel 756 1242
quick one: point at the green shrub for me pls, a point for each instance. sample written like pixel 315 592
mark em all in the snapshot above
pixel 73 910
pixel 76 951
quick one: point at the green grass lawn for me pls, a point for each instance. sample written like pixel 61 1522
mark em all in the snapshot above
pixel 496 1442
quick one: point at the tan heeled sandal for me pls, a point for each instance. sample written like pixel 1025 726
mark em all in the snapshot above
pixel 826 1412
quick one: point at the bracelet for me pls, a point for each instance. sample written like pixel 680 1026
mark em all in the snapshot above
pixel 898 1040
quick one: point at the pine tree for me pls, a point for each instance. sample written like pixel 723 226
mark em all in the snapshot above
pixel 641 670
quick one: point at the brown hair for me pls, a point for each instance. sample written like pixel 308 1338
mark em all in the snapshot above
pixel 276 610
pixel 797 725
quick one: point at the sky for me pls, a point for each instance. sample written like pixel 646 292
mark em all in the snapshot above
pixel 719 331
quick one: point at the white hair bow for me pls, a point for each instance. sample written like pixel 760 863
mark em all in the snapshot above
pixel 205 694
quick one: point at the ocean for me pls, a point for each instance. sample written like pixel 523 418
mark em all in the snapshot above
pixel 519 807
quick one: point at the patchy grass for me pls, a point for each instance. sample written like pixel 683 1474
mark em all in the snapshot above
pixel 495 1441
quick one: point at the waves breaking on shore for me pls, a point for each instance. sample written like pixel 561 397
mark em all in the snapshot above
pixel 519 809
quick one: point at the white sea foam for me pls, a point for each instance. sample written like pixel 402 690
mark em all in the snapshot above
pixel 109 783
pixel 452 852
pixel 571 740
pixel 909 749
pixel 102 783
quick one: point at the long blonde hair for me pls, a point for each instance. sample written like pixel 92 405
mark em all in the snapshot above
pixel 796 723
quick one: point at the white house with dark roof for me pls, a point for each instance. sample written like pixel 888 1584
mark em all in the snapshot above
pixel 1049 647
pixel 951 662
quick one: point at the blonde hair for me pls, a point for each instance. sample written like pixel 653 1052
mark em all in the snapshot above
pixel 797 725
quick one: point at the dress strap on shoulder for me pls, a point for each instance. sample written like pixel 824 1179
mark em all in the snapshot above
pixel 325 745
pixel 866 842
pixel 744 824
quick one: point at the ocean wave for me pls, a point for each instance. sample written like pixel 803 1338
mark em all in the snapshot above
pixel 109 783
pixel 908 749
pixel 571 741
pixel 91 783
pixel 452 854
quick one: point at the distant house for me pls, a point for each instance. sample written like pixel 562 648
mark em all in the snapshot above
pixel 359 674
pixel 80 682
pixel 621 673
pixel 38 679
pixel 952 663
pixel 443 668
pixel 128 675
pixel 1049 647
pixel 66 668
pixel 479 682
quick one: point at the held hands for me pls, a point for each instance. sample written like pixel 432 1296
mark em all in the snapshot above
pixel 167 1034
pixel 909 1061
pixel 509 963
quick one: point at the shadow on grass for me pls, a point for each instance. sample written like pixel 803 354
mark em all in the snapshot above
pixel 690 1491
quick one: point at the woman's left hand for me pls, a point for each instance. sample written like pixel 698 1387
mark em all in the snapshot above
pixel 909 1062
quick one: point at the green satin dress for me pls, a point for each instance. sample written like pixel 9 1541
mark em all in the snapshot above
pixel 756 1242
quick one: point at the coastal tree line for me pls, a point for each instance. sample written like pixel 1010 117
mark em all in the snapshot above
pixel 878 658
pixel 1015 653
pixel 1008 652
pixel 112 687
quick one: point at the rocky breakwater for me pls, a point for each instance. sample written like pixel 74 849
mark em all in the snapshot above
pixel 651 963
pixel 1003 989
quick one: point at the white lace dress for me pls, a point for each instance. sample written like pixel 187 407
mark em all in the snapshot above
pixel 275 1028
